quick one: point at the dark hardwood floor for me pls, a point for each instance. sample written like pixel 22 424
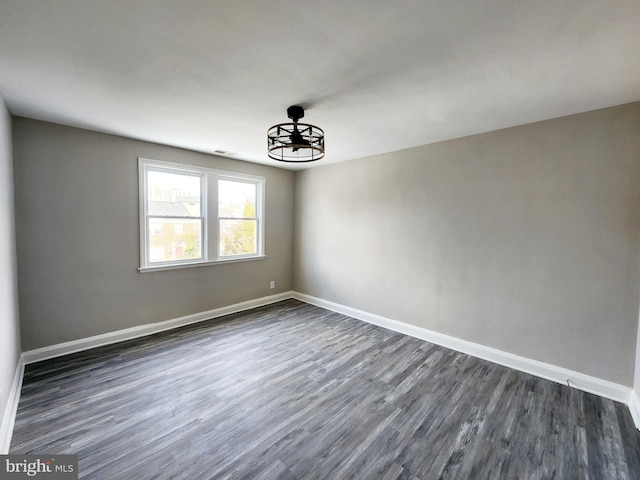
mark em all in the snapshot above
pixel 292 391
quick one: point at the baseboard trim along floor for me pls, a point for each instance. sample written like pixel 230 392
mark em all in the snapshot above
pixel 79 345
pixel 292 390
pixel 634 408
pixel 587 383
pixel 9 415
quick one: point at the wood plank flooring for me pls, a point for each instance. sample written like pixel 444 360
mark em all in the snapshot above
pixel 292 391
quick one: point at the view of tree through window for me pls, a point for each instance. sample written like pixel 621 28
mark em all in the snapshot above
pixel 174 216
pixel 237 215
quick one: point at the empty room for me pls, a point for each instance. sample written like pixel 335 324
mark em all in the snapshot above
pixel 319 240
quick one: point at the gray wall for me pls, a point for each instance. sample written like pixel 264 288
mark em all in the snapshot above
pixel 524 239
pixel 78 237
pixel 9 323
pixel 636 381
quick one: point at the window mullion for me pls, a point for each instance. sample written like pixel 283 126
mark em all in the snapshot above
pixel 212 223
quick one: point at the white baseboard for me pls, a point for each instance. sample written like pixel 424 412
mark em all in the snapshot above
pixel 9 415
pixel 79 345
pixel 634 407
pixel 587 383
pixel 577 380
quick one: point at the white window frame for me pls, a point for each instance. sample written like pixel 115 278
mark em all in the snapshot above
pixel 209 213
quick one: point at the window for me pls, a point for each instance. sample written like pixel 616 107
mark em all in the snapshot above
pixel 237 217
pixel 197 216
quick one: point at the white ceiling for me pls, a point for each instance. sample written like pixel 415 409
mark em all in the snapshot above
pixel 377 76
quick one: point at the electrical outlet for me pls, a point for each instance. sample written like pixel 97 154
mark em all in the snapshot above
pixel 272 284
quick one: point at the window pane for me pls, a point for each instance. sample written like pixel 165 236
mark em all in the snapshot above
pixel 155 228
pixel 236 199
pixel 237 237
pixel 173 194
pixel 178 239
pixel 156 254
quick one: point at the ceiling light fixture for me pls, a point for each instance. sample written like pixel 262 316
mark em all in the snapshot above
pixel 295 142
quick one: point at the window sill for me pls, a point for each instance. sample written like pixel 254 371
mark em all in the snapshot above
pixel 175 266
